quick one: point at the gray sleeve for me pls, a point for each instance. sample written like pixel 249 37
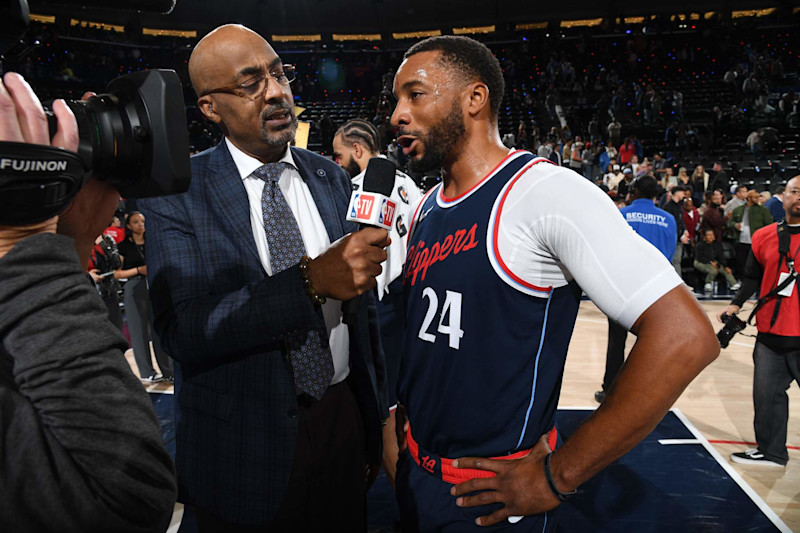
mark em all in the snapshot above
pixel 81 446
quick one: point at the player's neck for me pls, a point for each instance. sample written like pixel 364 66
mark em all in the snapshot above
pixel 477 158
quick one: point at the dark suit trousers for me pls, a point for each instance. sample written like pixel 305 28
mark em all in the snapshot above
pixel 615 353
pixel 327 489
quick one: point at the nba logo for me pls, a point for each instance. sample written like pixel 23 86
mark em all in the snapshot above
pixel 363 206
pixel 386 217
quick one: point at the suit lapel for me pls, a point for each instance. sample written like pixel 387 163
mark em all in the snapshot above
pixel 319 184
pixel 226 190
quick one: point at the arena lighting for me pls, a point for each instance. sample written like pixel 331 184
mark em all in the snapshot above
pixel 192 34
pixel 473 30
pixel 416 34
pixel 634 20
pixel 753 12
pixel 98 25
pixel 356 36
pixel 297 38
pixel 531 26
pixel 44 19
pixel 579 23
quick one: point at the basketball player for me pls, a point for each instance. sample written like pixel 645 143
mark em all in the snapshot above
pixel 498 255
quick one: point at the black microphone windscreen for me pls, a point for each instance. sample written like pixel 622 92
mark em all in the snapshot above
pixel 379 177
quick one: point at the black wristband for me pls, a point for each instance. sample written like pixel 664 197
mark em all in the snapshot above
pixel 562 496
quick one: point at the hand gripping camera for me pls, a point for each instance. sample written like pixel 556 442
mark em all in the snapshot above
pixel 733 325
pixel 134 137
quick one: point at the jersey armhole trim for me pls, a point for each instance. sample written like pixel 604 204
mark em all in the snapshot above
pixel 494 253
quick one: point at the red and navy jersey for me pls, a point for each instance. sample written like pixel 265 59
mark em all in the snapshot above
pixel 484 350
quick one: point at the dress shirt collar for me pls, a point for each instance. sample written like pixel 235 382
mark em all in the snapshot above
pixel 247 164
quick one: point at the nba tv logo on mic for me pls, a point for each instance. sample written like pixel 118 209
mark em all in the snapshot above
pixel 372 209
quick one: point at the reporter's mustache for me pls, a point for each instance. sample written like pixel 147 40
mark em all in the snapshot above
pixel 272 110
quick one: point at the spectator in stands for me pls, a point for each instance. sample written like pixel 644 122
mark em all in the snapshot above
pixel 624 185
pixel 576 156
pixel 614 129
pixel 115 229
pixel 691 219
pixel 739 198
pixel 713 218
pixel 709 259
pixel 719 179
pixel 675 208
pixel 775 205
pixel 754 144
pixel 626 151
pixel 699 182
pixel 683 178
pixel 746 220
pixel 763 197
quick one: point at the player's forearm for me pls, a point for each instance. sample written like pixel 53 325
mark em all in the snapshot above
pixel 658 369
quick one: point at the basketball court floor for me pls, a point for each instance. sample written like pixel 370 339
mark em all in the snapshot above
pixel 680 478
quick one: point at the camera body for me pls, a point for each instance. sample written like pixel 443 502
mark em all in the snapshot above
pixel 733 325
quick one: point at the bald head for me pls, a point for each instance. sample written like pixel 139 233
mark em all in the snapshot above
pixel 209 64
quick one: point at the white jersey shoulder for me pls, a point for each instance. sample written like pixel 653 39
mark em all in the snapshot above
pixel 553 226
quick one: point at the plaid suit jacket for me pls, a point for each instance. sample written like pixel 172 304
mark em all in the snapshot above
pixel 224 322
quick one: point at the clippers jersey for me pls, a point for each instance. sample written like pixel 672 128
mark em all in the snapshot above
pixel 484 349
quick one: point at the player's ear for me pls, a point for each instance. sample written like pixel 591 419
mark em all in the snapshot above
pixel 477 96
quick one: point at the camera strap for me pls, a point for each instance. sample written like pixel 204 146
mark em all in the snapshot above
pixel 784 242
pixel 37 182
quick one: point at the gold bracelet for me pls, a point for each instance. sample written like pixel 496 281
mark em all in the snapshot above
pixel 307 285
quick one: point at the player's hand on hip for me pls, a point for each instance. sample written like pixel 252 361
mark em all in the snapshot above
pixel 349 267
pixel 519 485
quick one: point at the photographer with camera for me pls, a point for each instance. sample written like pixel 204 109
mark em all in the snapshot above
pixel 82 448
pixel 771 270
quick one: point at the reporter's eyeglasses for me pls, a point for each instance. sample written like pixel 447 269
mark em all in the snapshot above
pixel 253 87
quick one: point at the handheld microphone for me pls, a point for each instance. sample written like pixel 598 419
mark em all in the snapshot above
pixel 371 206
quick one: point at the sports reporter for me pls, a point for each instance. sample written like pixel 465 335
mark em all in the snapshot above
pixel 81 446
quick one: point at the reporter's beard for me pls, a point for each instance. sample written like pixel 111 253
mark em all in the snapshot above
pixel 282 136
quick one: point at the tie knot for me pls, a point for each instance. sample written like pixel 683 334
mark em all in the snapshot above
pixel 270 171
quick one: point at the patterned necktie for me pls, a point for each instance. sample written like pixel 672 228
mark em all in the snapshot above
pixel 311 358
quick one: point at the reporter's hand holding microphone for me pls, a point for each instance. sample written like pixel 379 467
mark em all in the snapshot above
pixel 349 267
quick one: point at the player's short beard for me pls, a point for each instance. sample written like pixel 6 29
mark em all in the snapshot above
pixel 352 168
pixel 440 141
pixel 283 136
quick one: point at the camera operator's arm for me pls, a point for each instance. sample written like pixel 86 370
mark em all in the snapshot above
pixel 82 449
pixel 753 272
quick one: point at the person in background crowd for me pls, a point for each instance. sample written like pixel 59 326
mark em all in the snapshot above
pixel 763 197
pixel 675 208
pixel 138 309
pixel 712 215
pixel 739 198
pixel 745 221
pixel 775 204
pixel 710 260
pixel 103 262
